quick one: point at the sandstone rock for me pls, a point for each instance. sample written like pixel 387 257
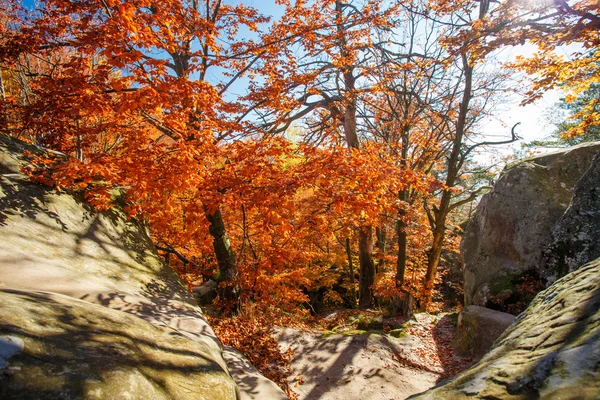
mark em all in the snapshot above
pixel 12 156
pixel 206 293
pixel 576 236
pixel 512 224
pixel 478 328
pixel 72 349
pixel 252 384
pixel 54 242
pixel 552 351
pixel 58 244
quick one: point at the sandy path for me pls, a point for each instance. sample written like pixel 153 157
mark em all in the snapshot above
pixel 361 366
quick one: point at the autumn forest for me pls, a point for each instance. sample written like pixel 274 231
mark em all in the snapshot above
pixel 317 156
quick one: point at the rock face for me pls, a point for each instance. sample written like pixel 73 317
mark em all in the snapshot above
pixel 478 328
pixel 70 348
pixel 576 236
pixel 551 352
pixel 92 303
pixel 504 241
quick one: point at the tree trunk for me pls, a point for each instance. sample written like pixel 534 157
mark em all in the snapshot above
pixel 228 272
pixel 454 164
pixel 351 266
pixel 367 267
pixel 229 289
pixel 365 240
pixel 381 234
pixel 402 241
pixel 2 90
pixel 433 261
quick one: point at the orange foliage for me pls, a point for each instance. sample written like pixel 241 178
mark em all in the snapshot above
pixel 566 35
pixel 122 90
pixel 252 336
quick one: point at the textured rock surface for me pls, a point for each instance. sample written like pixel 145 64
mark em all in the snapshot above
pixel 356 365
pixel 53 242
pixel 478 328
pixel 576 236
pixel 551 352
pixel 512 224
pixel 253 385
pixel 76 350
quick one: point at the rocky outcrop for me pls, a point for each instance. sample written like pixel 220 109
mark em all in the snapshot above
pixel 551 352
pixel 503 242
pixel 71 349
pixel 575 238
pixel 478 328
pixel 54 242
pixel 92 303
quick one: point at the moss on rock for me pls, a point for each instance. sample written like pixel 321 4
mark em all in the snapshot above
pixel 552 351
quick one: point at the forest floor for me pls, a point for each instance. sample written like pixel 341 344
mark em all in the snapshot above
pixel 367 357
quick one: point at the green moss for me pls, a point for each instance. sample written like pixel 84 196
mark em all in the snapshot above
pixel 399 333
pixel 499 284
pixel 368 323
pixel 453 317
pixel 465 340
pixel 353 332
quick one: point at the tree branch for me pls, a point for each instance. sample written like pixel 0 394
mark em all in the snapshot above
pixel 514 138
pixel 469 199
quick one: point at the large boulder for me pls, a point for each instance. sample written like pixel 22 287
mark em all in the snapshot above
pixel 503 243
pixel 108 268
pixel 53 241
pixel 65 348
pixel 551 352
pixel 575 238
pixel 478 328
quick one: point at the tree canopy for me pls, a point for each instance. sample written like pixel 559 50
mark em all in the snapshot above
pixel 276 154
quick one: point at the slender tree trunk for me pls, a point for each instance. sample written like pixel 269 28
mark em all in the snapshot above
pixel 455 161
pixel 433 262
pixel 365 233
pixel 79 151
pixel 228 270
pixel 402 242
pixel 454 164
pixel 367 267
pixel 2 90
pixel 381 234
pixel 229 289
pixel 405 303
pixel 351 266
